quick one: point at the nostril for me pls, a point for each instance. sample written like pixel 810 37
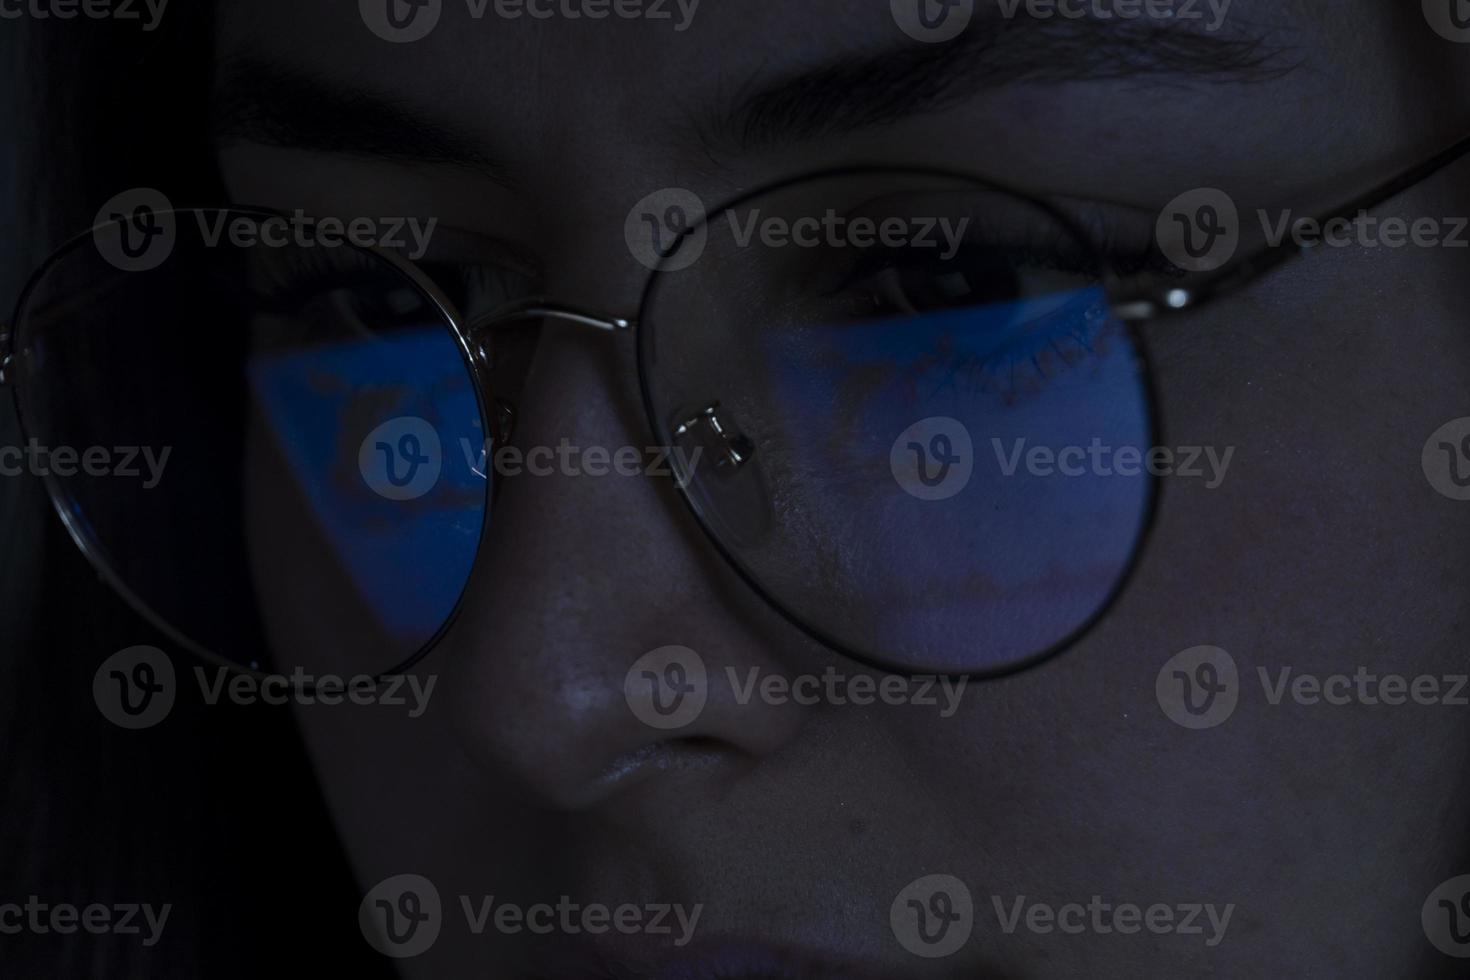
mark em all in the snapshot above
pixel 702 745
pixel 689 754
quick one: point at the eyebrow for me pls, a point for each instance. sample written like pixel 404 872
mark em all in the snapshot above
pixel 850 94
pixel 259 101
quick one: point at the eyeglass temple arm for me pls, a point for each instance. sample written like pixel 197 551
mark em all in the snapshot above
pixel 540 309
pixel 1195 292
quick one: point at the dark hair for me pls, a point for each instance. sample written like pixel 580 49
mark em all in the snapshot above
pixel 215 811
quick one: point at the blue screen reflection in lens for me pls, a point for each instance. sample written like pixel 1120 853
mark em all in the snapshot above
pixel 331 412
pixel 1023 555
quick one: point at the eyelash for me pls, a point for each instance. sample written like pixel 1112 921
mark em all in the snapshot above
pixel 1024 366
pixel 472 288
pixel 1044 346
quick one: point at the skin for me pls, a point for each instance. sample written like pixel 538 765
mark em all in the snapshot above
pixel 795 826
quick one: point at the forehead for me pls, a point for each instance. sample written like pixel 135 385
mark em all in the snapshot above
pixel 736 92
pixel 497 61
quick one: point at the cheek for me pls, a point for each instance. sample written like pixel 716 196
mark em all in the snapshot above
pixel 1326 380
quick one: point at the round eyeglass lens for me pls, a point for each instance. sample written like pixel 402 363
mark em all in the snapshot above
pixel 257 436
pixel 911 418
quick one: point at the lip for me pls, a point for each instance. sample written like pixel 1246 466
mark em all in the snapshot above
pixel 619 958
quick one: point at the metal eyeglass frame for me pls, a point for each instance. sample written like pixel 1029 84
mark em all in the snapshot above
pixel 1133 306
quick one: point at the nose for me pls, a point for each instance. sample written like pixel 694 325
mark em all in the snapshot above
pixel 597 645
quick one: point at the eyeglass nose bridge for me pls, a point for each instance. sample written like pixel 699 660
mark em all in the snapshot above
pixel 503 418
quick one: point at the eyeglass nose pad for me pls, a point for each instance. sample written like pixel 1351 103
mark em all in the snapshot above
pixel 732 494
pixel 502 431
pixel 502 422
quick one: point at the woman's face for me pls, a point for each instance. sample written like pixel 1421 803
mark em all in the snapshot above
pixel 1307 835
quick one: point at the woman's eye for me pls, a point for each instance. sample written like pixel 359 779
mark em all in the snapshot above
pixel 973 277
pixel 477 289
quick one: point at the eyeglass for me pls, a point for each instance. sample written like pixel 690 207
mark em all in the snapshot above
pixel 854 367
